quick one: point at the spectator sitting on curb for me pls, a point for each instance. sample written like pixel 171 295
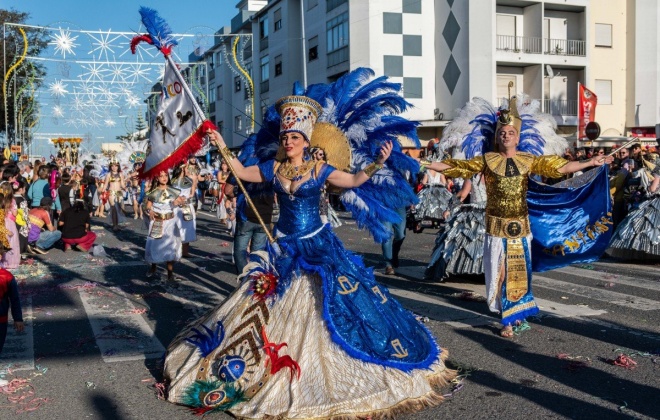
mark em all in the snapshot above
pixel 75 225
pixel 40 241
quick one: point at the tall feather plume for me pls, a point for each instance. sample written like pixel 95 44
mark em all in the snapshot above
pixel 158 29
pixel 472 132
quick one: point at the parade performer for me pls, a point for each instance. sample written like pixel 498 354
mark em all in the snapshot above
pixel 309 333
pixel 459 244
pixel 222 176
pixel 328 214
pixel 114 185
pixel 434 198
pixel 507 251
pixel 638 236
pixel 185 180
pixel 164 239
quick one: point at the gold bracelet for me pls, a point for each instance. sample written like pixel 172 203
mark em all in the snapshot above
pixel 424 163
pixel 372 168
pixel 227 153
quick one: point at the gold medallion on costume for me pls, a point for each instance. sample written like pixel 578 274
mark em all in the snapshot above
pixel 156 229
pixel 516 270
pixel 187 214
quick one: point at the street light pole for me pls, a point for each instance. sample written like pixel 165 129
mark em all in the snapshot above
pixel 302 38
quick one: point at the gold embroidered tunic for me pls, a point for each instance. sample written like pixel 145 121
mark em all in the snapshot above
pixel 506 186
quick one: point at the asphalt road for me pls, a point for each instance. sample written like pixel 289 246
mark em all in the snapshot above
pixel 96 333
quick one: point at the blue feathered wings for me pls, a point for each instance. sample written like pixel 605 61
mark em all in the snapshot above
pixel 366 108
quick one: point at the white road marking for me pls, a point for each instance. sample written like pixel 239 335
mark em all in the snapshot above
pixel 614 298
pixel 119 329
pixel 18 352
pixel 460 317
pixel 611 278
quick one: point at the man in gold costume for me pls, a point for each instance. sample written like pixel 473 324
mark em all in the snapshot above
pixel 507 248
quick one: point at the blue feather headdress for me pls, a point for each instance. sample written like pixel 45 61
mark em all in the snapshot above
pixel 472 132
pixel 366 109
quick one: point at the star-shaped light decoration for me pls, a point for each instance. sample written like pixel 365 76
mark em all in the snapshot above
pixel 109 122
pixel 58 88
pixel 95 71
pixel 64 42
pixel 132 101
pixel 57 111
pixel 117 72
pixel 102 43
pixel 138 71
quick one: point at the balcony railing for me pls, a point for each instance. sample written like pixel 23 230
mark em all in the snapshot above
pixel 564 47
pixel 534 45
pixel 557 107
pixel 560 107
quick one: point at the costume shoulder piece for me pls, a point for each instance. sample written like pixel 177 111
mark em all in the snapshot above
pixel 163 196
pixel 182 183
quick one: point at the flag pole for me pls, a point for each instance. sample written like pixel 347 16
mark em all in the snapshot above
pixel 626 144
pixel 224 152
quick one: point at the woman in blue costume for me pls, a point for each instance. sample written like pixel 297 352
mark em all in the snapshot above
pixel 309 333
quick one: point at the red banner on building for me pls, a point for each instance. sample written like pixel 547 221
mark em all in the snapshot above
pixel 587 101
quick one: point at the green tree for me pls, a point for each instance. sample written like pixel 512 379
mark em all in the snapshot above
pixel 140 128
pixel 26 78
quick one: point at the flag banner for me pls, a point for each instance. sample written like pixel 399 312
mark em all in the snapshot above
pixel 179 127
pixel 571 221
pixel 587 101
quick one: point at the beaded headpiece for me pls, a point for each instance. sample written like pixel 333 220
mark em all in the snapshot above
pixel 298 114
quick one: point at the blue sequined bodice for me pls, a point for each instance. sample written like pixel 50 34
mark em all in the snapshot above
pixel 298 211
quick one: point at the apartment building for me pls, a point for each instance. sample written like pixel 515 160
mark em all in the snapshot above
pixel 444 52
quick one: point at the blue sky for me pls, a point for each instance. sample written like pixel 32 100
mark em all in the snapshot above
pixel 200 17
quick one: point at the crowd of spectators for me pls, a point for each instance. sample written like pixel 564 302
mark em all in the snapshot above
pixel 43 206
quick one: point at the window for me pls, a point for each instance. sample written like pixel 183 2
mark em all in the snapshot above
pixel 219 93
pixel 264 64
pixel 604 92
pixel 337 32
pixel 263 28
pixel 313 52
pixel 278 65
pixel 212 94
pixel 277 17
pixel 237 84
pixel 220 125
pixel 506 25
pixel 333 4
pixel 603 35
pixel 238 123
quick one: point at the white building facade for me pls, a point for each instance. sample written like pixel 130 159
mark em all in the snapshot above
pixel 444 52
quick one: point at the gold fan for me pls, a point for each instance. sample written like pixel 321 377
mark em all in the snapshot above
pixel 334 143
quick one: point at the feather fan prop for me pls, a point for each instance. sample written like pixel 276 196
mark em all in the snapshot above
pixel 366 109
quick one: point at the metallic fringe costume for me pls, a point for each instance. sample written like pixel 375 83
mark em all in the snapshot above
pixel 638 236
